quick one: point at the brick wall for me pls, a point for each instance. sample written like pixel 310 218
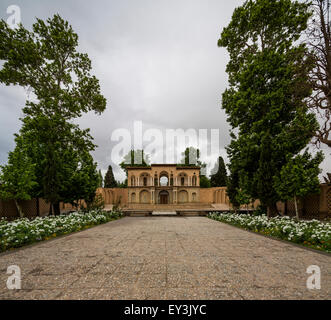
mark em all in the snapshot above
pixel 30 208
pixel 311 206
pixel 114 196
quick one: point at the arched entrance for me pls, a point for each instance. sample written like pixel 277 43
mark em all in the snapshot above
pixel 164 179
pixel 164 197
pixel 182 196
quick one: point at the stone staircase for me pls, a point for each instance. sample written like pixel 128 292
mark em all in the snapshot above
pixel 168 207
pixel 187 209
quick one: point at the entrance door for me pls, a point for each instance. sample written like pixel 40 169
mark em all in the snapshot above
pixel 164 197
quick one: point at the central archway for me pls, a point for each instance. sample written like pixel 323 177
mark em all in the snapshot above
pixel 164 197
pixel 164 179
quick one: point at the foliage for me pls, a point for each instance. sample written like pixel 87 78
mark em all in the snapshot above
pixel 135 158
pixel 243 198
pixel 219 178
pixel 123 184
pixel 233 187
pixel 312 233
pixel 204 182
pixel 21 232
pixel 17 178
pixel 100 179
pixel 191 157
pixel 98 203
pixel 47 62
pixel 260 210
pixel 110 181
pixel 266 101
pixel 299 177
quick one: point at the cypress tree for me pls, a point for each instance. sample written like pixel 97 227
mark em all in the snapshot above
pixel 219 179
pixel 100 179
pixel 110 181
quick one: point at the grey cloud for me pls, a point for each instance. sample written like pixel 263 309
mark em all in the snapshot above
pixel 157 62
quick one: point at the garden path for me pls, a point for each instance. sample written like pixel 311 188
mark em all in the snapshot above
pixel 165 258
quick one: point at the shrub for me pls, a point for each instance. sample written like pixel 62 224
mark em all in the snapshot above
pixel 21 232
pixel 313 233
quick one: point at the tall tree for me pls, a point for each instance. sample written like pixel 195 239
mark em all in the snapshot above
pixel 83 181
pixel 100 179
pixel 319 43
pixel 299 177
pixel 265 104
pixel 220 177
pixel 17 178
pixel 46 60
pixel 110 181
pixel 204 182
pixel 135 158
pixel 232 189
pixel 191 157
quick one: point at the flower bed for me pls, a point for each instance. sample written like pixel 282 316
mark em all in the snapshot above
pixel 14 234
pixel 313 233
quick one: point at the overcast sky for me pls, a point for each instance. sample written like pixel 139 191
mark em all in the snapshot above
pixel 157 62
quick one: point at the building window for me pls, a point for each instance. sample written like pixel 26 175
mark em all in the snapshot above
pixel 182 181
pixel 164 181
pixel 194 180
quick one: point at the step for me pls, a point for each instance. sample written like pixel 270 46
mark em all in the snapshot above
pixel 164 213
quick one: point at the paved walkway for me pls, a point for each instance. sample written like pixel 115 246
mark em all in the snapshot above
pixel 165 258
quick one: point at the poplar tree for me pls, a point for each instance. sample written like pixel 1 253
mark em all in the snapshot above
pixel 266 99
pixel 46 61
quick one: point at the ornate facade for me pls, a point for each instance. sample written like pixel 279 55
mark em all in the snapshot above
pixel 164 184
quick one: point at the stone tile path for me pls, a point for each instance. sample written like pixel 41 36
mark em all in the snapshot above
pixel 165 258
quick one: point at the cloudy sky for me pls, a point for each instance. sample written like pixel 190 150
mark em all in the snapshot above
pixel 157 62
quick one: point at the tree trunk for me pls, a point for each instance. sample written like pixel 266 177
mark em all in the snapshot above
pixel 19 209
pixel 272 210
pixel 50 210
pixel 37 207
pixel 56 208
pixel 296 207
